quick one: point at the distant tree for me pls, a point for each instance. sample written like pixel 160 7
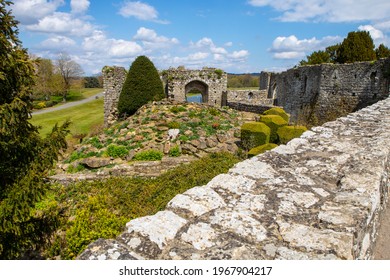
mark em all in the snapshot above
pixel 242 80
pixel 25 157
pixel 69 70
pixel 91 82
pixel 382 51
pixel 333 52
pixel 143 84
pixel 358 46
pixel 316 57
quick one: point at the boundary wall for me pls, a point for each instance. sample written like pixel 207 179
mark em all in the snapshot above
pixel 318 197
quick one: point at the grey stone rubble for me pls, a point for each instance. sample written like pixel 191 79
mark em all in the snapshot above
pixel 318 197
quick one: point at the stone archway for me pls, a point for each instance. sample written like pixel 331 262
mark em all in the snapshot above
pixel 198 86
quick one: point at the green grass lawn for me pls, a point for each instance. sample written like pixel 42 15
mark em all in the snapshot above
pixel 77 94
pixel 83 117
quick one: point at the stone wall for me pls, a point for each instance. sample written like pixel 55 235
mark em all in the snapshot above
pixel 210 82
pixel 113 80
pixel 320 93
pixel 318 197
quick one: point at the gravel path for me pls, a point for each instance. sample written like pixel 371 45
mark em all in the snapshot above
pixel 69 104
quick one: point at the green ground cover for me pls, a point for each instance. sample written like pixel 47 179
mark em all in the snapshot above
pixel 83 117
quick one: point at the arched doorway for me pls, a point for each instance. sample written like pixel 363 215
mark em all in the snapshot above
pixel 196 88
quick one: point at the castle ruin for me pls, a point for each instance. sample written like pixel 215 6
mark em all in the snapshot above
pixel 310 94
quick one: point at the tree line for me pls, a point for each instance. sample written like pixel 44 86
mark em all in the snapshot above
pixel 59 76
pixel 357 46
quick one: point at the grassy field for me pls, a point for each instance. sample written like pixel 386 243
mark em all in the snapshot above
pixel 83 118
pixel 77 94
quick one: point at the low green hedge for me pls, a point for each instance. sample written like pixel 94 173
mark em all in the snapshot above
pixel 274 122
pixel 254 134
pixel 287 133
pixel 261 149
pixel 279 112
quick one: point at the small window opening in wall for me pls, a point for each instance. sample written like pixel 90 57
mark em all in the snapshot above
pixel 353 94
pixel 250 95
pixel 355 76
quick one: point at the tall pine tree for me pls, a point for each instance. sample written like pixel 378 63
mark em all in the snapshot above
pixel 25 157
pixel 358 46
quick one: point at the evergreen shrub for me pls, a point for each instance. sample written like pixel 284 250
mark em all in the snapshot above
pixel 287 133
pixel 261 149
pixel 254 134
pixel 142 84
pixel 274 122
pixel 279 112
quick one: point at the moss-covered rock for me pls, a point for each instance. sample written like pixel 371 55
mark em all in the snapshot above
pixel 287 133
pixel 274 122
pixel 261 149
pixel 254 134
pixel 279 112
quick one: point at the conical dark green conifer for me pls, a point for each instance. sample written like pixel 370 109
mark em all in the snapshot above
pixel 143 84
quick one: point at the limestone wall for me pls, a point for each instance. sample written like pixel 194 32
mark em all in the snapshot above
pixel 324 92
pixel 113 80
pixel 318 197
pixel 210 81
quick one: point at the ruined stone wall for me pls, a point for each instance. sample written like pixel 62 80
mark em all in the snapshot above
pixel 320 93
pixel 318 197
pixel 210 81
pixel 252 97
pixel 113 80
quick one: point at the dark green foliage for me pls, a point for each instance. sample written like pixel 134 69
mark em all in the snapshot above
pixel 174 151
pixel 25 158
pixel 382 51
pixel 316 57
pixel 358 46
pixel 91 82
pixel 117 151
pixel 143 84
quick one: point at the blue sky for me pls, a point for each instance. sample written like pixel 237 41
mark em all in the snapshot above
pixel 238 36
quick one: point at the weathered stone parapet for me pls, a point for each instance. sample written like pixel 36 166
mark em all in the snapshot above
pixel 318 197
pixel 113 80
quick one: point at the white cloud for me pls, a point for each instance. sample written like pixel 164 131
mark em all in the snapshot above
pixel 239 54
pixel 198 56
pixel 108 47
pixel 151 40
pixel 79 6
pixel 122 48
pixel 289 55
pixel 376 34
pixel 30 11
pixel 208 44
pixel 62 23
pixel 58 43
pixel 140 11
pixel 292 48
pixel 328 11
